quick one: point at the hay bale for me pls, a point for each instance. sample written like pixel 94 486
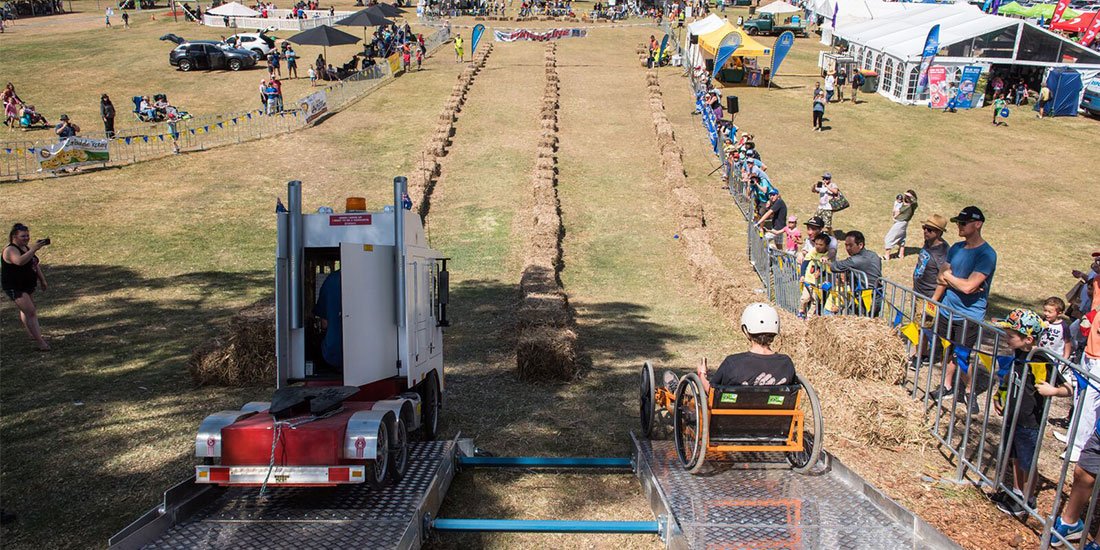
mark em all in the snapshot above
pixel 547 353
pixel 884 423
pixel 244 355
pixel 858 348
pixel 548 125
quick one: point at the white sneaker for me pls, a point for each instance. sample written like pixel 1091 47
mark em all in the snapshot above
pixel 1060 436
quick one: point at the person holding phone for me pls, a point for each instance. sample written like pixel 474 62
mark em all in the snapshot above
pixel 20 275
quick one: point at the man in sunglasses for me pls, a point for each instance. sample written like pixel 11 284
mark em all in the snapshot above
pixel 964 284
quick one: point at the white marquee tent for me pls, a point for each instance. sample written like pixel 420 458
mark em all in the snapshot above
pixel 892 45
pixel 233 9
pixel 779 7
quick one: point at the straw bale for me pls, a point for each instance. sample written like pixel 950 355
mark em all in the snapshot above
pixel 547 353
pixel 549 125
pixel 884 422
pixel 545 151
pixel 243 355
pixel 858 348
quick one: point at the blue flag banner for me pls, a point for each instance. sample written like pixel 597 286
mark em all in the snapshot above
pixel 726 47
pixel 661 52
pixel 783 44
pixel 127 140
pixel 145 139
pixel 931 47
pixel 475 37
pixel 836 9
pixel 708 122
pixel 987 5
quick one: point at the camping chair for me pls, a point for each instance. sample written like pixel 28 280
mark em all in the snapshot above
pixel 142 117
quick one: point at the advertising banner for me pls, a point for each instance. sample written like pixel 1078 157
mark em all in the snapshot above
pixel 1059 10
pixel 726 47
pixel 475 37
pixel 395 64
pixel 313 106
pixel 664 44
pixel 74 151
pixel 931 47
pixel 968 82
pixel 1094 28
pixel 783 44
pixel 538 36
pixel 937 87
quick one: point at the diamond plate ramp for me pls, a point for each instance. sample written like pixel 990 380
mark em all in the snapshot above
pixel 757 502
pixel 351 516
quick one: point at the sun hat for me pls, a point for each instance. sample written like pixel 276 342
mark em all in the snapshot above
pixel 935 221
pixel 1024 321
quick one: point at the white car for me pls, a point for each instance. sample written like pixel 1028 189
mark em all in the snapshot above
pixel 260 42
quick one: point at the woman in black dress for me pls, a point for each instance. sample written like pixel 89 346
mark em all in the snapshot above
pixel 20 275
pixel 107 110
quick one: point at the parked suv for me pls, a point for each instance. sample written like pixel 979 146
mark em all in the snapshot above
pixel 260 43
pixel 210 54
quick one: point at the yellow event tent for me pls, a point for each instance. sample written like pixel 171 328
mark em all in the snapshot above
pixel 710 41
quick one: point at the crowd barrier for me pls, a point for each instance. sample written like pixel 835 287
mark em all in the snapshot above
pixel 279 20
pixel 943 342
pixel 150 141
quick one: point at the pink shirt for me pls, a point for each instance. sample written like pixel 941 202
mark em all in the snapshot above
pixel 792 234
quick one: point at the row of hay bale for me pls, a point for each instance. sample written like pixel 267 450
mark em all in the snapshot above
pixel 531 18
pixel 422 179
pixel 643 53
pixel 546 347
pixel 839 355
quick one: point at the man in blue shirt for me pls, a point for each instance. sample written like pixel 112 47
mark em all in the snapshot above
pixel 329 309
pixel 963 286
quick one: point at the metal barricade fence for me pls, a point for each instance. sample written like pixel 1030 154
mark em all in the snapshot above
pixel 786 289
pixel 758 253
pixel 155 140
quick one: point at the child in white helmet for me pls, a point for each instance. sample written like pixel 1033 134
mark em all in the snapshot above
pixel 760 366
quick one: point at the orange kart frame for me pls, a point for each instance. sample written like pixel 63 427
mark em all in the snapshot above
pixel 692 421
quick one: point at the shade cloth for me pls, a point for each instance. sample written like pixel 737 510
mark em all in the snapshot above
pixel 233 9
pixel 749 48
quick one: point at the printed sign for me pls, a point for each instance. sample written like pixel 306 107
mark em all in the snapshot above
pixel 349 219
pixel 729 397
pixel 74 151
pixel 524 34
pixel 967 84
pixel 313 105
pixel 775 399
pixel 937 87
pixel 395 64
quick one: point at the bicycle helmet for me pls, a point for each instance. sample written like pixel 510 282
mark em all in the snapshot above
pixel 760 318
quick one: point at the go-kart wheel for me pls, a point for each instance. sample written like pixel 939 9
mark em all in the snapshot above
pixel 378 470
pixel 430 406
pixel 813 433
pixel 647 401
pixel 399 450
pixel 691 423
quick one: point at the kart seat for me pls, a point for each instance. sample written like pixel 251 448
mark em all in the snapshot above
pixel 758 427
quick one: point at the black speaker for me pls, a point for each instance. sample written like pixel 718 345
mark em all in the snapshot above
pixel 710 65
pixel 732 106
pixel 694 39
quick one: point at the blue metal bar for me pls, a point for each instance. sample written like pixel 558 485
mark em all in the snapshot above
pixel 543 462
pixel 545 526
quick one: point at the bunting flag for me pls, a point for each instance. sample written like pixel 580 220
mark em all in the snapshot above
pixel 126 139
pixel 192 131
pixel 7 150
pixel 249 115
pixel 205 129
pixel 161 137
pixel 221 125
pixel 145 139
pixel 31 150
pixel 234 121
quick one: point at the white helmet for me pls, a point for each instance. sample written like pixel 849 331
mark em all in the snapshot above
pixel 760 318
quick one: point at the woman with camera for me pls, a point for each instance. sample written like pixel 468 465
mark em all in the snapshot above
pixel 905 205
pixel 20 275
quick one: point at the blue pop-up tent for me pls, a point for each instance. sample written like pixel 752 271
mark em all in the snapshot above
pixel 1065 91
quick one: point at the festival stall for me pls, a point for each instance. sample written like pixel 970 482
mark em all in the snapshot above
pixel 742 66
pixel 1013 49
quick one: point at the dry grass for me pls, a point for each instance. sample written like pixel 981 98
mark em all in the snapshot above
pixel 244 355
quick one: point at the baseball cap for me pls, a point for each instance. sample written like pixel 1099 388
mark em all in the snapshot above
pixel 773 192
pixel 815 221
pixel 827 176
pixel 969 214
pixel 1096 254
pixel 937 221
pixel 1021 320
pixel 64 117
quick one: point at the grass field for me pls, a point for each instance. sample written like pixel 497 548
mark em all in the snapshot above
pixel 148 259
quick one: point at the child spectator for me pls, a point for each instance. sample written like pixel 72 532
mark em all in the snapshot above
pixel 419 58
pixel 1055 337
pixel 791 233
pixel 998 104
pixel 1023 329
pixel 1090 399
pixel 815 265
pixel 312 77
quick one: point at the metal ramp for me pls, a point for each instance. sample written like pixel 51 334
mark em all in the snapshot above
pixel 296 518
pixel 759 503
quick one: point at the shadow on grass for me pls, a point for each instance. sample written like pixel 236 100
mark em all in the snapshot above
pixel 106 416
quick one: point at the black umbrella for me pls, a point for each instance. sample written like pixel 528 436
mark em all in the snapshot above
pixel 388 10
pixel 324 36
pixel 370 17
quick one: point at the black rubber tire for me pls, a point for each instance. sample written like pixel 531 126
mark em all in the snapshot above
pixel 647 403
pixel 691 447
pixel 378 469
pixel 399 451
pixel 234 65
pixel 186 65
pixel 258 52
pixel 752 31
pixel 813 439
pixel 431 405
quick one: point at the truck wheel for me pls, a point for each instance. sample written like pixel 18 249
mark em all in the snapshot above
pixel 752 31
pixel 185 65
pixel 399 451
pixel 430 406
pixel 234 64
pixel 378 470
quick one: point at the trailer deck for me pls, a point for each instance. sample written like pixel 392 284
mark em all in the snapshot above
pixel 756 501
